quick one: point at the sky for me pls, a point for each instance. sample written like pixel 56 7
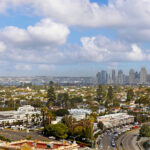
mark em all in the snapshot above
pixel 73 37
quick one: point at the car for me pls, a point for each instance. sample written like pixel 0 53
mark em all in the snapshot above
pixel 1 128
pixel 135 127
pixel 113 144
pixel 136 123
pixel 81 145
pixel 51 137
pixel 100 138
pixel 100 146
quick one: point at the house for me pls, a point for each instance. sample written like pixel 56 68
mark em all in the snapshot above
pixel 102 109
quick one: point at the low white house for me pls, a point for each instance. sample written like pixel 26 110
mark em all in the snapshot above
pixel 79 114
pixel 80 111
pixel 102 109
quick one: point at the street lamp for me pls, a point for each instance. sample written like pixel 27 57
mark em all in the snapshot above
pixel 74 137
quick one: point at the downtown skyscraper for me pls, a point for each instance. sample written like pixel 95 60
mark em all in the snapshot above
pixel 133 78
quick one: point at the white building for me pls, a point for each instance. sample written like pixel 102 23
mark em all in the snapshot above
pixel 102 110
pixel 22 114
pixel 79 114
pixel 80 111
pixel 114 120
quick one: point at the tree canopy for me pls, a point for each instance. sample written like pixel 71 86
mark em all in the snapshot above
pixel 145 131
pixel 60 130
pixel 61 112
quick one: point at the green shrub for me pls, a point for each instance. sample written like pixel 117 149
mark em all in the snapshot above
pixel 28 137
pixel 4 139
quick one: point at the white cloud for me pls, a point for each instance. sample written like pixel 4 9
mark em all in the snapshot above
pixel 102 49
pixel 23 67
pixel 128 17
pixel 14 35
pixel 2 47
pixel 93 49
pixel 85 13
pixel 44 34
pixel 136 54
pixel 47 31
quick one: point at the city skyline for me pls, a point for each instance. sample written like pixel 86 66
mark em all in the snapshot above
pixel 36 41
pixel 119 77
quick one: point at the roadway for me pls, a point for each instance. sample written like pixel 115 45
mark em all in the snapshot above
pixel 106 142
pixel 128 141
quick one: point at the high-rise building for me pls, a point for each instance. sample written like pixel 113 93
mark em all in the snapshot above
pixel 113 76
pixel 120 77
pixel 102 77
pixel 131 76
pixel 98 77
pixel 143 76
pixel 137 77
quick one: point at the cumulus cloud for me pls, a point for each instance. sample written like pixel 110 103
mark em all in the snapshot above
pixel 2 47
pixel 92 49
pixel 136 54
pixel 46 34
pixel 130 18
pixel 103 49
pixel 85 13
pixel 47 31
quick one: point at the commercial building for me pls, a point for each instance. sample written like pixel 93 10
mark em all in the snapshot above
pixel 131 77
pixel 23 114
pixel 102 77
pixel 120 77
pixel 113 76
pixel 143 76
pixel 114 120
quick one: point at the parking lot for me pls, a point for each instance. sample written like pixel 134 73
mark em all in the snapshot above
pixel 15 135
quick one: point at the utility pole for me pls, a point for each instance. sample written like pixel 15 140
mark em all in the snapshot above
pixel 92 133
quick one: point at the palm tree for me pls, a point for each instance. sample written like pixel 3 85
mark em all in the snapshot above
pixel 33 118
pixel 44 112
pixel 27 118
pixel 50 117
pixel 37 118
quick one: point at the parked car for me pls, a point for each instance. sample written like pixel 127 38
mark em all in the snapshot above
pixel 1 128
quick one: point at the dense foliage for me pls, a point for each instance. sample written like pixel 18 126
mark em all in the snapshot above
pixel 61 112
pixel 60 130
pixel 145 131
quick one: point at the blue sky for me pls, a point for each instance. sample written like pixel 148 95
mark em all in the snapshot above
pixel 73 38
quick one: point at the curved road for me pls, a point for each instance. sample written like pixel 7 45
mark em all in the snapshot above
pixel 128 141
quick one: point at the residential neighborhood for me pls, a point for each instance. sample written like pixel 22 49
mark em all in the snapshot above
pixel 81 114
